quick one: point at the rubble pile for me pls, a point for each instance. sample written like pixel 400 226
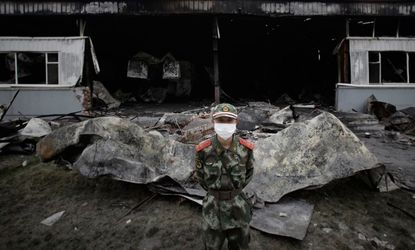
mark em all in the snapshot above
pixel 310 153
pixel 305 154
pixel 101 93
pixel 21 136
pixel 297 147
pixel 255 114
pixel 159 78
pixel 393 119
pixel 361 123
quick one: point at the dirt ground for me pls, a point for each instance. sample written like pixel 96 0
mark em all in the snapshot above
pixel 99 214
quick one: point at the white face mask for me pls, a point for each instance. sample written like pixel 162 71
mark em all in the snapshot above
pixel 224 130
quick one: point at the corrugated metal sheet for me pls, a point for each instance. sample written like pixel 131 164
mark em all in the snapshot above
pixel 382 44
pixel 359 62
pixel 70 49
pixel 252 7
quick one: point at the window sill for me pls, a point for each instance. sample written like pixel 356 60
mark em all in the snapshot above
pixel 33 86
pixel 388 85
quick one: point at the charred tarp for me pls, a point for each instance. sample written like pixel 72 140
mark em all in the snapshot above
pixel 48 71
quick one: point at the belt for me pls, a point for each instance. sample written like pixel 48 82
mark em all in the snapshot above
pixel 223 195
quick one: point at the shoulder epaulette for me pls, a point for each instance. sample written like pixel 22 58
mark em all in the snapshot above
pixel 246 143
pixel 203 144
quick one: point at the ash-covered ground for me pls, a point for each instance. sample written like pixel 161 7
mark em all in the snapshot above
pixel 103 213
pixel 100 214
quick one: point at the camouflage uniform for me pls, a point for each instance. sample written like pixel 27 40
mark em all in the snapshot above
pixel 224 173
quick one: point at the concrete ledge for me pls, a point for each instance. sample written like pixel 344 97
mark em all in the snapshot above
pixel 32 102
pixel 354 97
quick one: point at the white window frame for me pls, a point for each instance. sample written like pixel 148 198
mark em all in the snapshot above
pixel 50 63
pixel 380 68
pixel 16 81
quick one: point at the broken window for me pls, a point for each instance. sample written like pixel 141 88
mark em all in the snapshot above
pixel 374 67
pixel 7 68
pixel 394 67
pixel 29 68
pixel 406 28
pixel 390 66
pixel 361 27
pixel 386 27
pixel 370 27
pixel 411 64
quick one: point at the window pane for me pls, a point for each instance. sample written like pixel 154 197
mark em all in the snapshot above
pixel 386 27
pixel 374 67
pixel 52 73
pixel 7 73
pixel 407 28
pixel 31 68
pixel 393 67
pixel 374 73
pixel 373 56
pixel 52 57
pixel 361 27
pixel 412 67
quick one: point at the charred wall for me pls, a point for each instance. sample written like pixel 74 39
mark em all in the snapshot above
pixel 265 58
pixel 118 39
pixel 260 57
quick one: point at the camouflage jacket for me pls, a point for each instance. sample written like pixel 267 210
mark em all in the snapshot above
pixel 218 168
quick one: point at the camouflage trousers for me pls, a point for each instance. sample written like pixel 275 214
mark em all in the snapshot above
pixel 238 238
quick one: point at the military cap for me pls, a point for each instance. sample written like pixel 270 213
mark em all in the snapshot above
pixel 224 109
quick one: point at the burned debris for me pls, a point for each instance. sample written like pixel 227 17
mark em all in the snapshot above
pixel 101 94
pixel 390 117
pixel 310 149
pixel 158 78
pixel 379 109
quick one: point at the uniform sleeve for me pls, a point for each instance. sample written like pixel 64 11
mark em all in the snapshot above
pixel 199 170
pixel 249 168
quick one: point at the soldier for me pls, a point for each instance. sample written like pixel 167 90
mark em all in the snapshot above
pixel 224 166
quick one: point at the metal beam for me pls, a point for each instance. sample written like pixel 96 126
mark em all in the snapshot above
pixel 215 50
pixel 233 7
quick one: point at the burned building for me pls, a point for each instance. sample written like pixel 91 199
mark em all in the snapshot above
pixel 330 52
